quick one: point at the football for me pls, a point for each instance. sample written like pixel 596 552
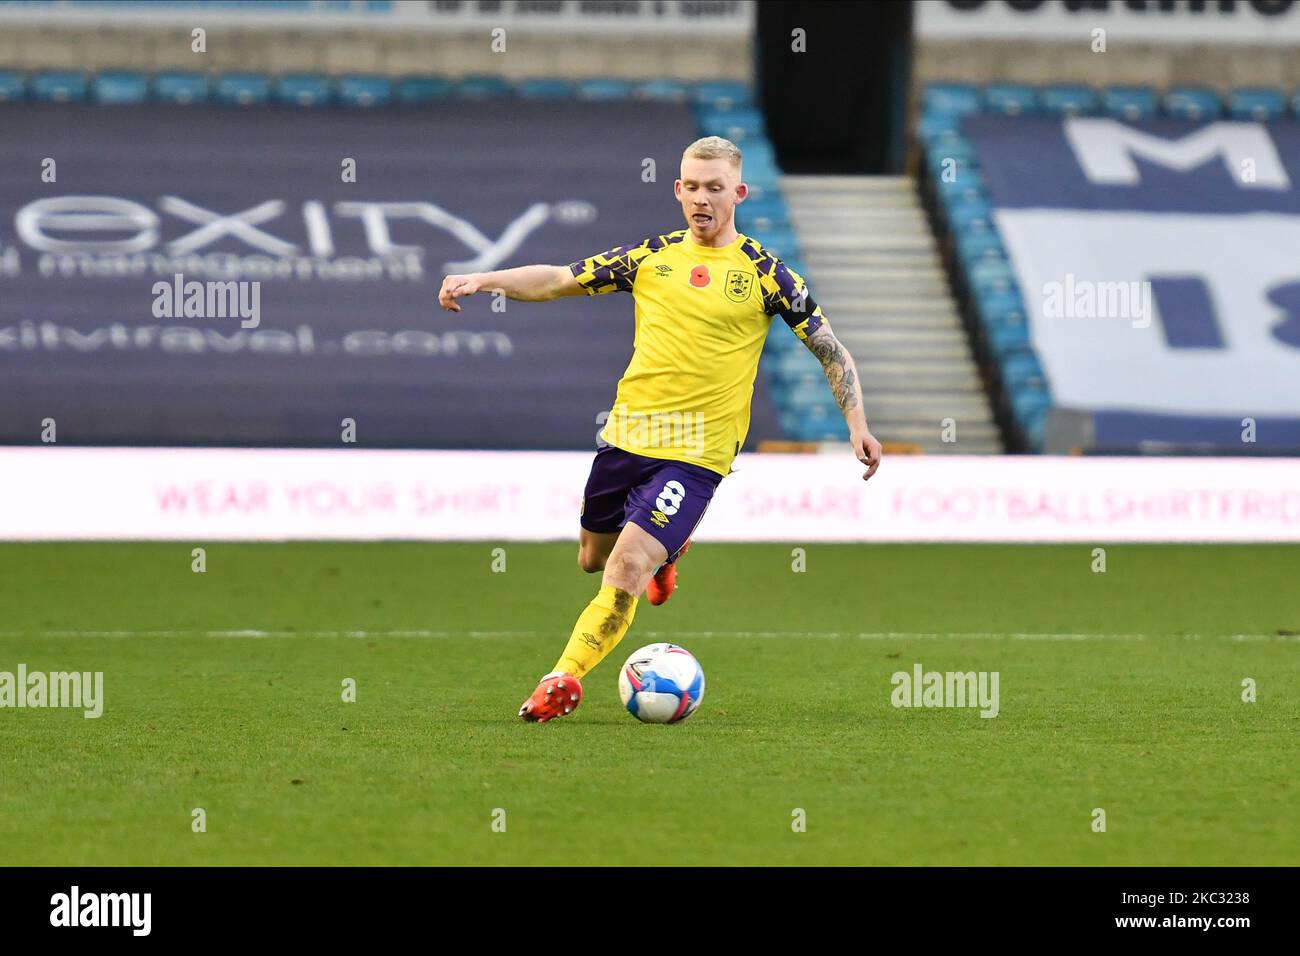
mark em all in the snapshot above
pixel 661 684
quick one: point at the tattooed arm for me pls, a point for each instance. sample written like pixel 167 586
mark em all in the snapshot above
pixel 842 375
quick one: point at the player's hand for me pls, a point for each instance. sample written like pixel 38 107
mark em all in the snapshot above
pixel 867 450
pixel 453 287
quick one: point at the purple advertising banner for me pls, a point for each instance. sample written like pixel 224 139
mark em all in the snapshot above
pixel 219 276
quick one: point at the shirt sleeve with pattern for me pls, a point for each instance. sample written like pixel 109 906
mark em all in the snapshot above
pixel 615 270
pixel 785 294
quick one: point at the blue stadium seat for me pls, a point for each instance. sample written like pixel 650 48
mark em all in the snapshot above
pixel 359 90
pixel 939 137
pixel 604 89
pixel 807 376
pixel 243 89
pixel 1010 99
pixel 670 91
pixel 750 222
pixel 180 87
pixel 806 399
pixel 303 89
pixel 761 168
pixel 796 363
pixel 938 125
pixel 1031 415
pixel 1257 103
pixel 1192 102
pixel 544 89
pixel 953 146
pixel 974 246
pixel 13 86
pixel 723 94
pixel 779 341
pixel 763 177
pixel 1129 102
pixel 965 188
pixel 781 243
pixel 974 215
pixel 58 86
pixel 996 308
pixel 480 86
pixel 991 276
pixel 818 423
pixel 760 154
pixel 950 99
pixel 768 214
pixel 769 207
pixel 422 89
pixel 949 155
pixel 739 126
pixel 1028 403
pixel 120 88
pixel 1007 338
pixel 1022 370
pixel 762 184
pixel 951 169
pixel 1070 100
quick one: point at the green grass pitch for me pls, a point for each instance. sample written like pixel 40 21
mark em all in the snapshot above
pixel 1119 690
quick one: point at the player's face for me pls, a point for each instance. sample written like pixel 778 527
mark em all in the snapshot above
pixel 708 191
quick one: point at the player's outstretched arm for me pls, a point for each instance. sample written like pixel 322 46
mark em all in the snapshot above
pixel 842 375
pixel 525 284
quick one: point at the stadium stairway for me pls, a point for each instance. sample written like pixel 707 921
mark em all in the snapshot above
pixel 874 267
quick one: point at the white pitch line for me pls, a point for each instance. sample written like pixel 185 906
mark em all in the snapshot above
pixel 665 635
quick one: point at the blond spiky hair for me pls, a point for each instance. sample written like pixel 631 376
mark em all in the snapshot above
pixel 713 147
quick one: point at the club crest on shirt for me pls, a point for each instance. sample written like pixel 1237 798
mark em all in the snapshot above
pixel 738 285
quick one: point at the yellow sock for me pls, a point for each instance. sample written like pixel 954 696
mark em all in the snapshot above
pixel 599 629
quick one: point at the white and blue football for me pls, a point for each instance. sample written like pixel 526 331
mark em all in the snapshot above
pixel 661 684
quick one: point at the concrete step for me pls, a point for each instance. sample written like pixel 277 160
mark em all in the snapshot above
pixel 909 238
pixel 846 320
pixel 869 336
pixel 831 260
pixel 927 406
pixel 872 304
pixel 925 432
pixel 808 186
pixel 905 352
pixel 859 320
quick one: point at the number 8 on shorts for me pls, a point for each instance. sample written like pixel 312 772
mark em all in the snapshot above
pixel 670 499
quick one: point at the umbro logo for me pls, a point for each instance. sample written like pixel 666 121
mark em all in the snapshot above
pixel 663 270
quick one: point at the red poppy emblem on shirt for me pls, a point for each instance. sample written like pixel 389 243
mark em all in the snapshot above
pixel 700 276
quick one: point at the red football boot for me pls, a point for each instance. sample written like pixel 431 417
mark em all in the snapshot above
pixel 555 696
pixel 662 585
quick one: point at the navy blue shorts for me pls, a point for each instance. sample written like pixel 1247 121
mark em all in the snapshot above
pixel 666 498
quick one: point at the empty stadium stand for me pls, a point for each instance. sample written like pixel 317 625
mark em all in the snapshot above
pixel 984 280
pixel 876 270
pixel 886 285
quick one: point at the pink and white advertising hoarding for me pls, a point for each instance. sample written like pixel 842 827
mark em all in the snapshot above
pixel 49 493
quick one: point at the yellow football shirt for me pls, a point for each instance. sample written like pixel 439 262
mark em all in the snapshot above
pixel 702 314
